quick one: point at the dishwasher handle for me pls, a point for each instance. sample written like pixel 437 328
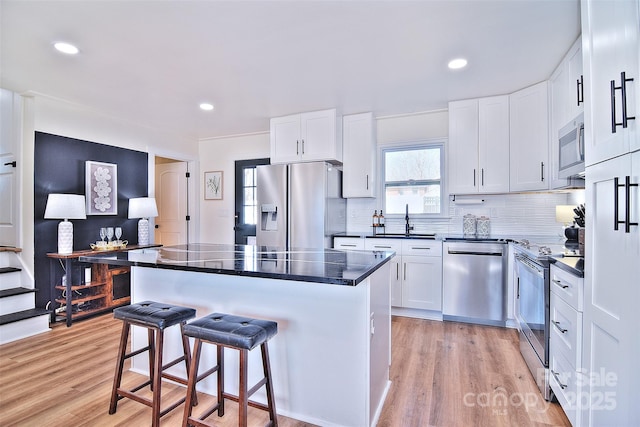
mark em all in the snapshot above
pixel 450 252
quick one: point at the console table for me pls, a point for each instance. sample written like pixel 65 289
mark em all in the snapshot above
pixel 108 287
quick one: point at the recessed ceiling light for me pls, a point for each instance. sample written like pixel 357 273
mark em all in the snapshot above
pixel 206 106
pixel 67 48
pixel 457 63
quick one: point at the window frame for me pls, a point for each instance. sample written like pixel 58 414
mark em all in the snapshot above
pixel 440 143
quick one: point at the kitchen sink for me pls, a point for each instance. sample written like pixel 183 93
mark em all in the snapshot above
pixel 431 236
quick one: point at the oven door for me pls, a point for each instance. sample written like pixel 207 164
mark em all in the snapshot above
pixel 533 305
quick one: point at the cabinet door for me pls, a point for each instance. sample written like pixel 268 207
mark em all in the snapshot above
pixel 395 281
pixel 318 140
pixel 285 139
pixel 493 144
pixel 422 282
pixel 611 295
pixel 575 87
pixel 359 156
pixel 529 139
pixel 610 46
pixel 348 243
pixel 463 146
pixel 559 100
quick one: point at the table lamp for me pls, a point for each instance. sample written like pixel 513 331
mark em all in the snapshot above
pixel 143 208
pixel 565 215
pixel 65 207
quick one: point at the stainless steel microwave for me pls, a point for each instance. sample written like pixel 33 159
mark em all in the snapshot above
pixel 571 148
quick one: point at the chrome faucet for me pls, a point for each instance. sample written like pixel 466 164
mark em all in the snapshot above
pixel 407 227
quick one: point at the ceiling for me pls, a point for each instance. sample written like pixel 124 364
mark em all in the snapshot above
pixel 152 62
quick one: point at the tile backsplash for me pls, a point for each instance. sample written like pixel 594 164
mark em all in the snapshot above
pixel 510 214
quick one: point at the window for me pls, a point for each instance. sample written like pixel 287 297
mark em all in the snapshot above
pixel 249 201
pixel 412 175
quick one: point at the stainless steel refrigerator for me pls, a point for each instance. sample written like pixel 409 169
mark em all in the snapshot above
pixel 299 205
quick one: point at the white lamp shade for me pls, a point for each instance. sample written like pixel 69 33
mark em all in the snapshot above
pixel 565 214
pixel 143 207
pixel 65 206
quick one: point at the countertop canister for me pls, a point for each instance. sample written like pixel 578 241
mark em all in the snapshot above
pixel 469 224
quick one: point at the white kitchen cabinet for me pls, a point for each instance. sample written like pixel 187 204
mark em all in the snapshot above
pixel 422 274
pixel 565 341
pixel 610 46
pixel 566 102
pixel 359 155
pixel 529 139
pixel 348 243
pixel 416 272
pixel 395 273
pixel 306 137
pixel 479 145
pixel 610 337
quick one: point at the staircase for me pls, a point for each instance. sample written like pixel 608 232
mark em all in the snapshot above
pixel 18 316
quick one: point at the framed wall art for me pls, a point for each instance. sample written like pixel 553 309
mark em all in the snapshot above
pixel 101 188
pixel 213 185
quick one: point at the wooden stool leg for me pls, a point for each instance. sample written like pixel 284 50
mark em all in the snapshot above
pixel 157 379
pixel 187 357
pixel 243 399
pixel 152 358
pixel 117 379
pixel 191 384
pixel 266 366
pixel 220 363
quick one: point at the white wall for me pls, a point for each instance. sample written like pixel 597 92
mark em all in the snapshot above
pixel 219 154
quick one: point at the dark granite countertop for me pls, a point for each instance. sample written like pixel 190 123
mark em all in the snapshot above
pixel 307 265
pixel 570 264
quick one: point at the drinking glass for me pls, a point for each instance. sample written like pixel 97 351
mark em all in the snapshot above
pixel 103 233
pixel 109 233
pixel 118 233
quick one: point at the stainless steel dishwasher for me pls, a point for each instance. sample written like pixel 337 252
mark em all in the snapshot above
pixel 474 282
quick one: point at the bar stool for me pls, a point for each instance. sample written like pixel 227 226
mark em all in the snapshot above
pixel 156 317
pixel 242 334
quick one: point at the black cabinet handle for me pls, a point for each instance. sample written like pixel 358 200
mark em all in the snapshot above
pixel 542 171
pixel 303 147
pixel 580 90
pixel 367 181
pixel 482 172
pixel 627 204
pixel 297 147
pixel 474 177
pixel 12 164
pixel 623 93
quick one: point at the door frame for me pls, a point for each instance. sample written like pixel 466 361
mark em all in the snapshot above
pixel 193 205
pixel 239 166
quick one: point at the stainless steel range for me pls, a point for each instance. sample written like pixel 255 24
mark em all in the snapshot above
pixel 532 306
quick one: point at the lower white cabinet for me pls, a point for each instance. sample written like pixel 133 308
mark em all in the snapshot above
pixel 565 341
pixel 416 272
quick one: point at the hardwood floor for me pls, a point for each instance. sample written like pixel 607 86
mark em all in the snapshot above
pixel 443 374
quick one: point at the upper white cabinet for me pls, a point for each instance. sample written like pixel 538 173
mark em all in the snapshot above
pixel 567 89
pixel 566 102
pixel 610 47
pixel 479 145
pixel 306 137
pixel 529 138
pixel 359 155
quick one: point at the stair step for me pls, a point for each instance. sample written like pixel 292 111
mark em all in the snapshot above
pixel 15 291
pixel 4 270
pixel 21 315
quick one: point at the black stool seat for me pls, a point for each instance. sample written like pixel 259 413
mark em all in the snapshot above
pixel 239 333
pixel 232 331
pixel 155 317
pixel 154 314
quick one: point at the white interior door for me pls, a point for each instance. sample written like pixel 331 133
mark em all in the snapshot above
pixel 171 197
pixel 10 132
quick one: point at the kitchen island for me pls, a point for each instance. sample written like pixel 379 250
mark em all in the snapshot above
pixel 330 359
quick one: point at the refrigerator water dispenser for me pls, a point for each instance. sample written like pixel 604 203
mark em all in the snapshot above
pixel 269 217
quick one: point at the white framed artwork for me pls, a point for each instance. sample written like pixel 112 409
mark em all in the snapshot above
pixel 101 188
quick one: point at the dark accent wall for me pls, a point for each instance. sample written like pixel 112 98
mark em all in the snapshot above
pixel 59 167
